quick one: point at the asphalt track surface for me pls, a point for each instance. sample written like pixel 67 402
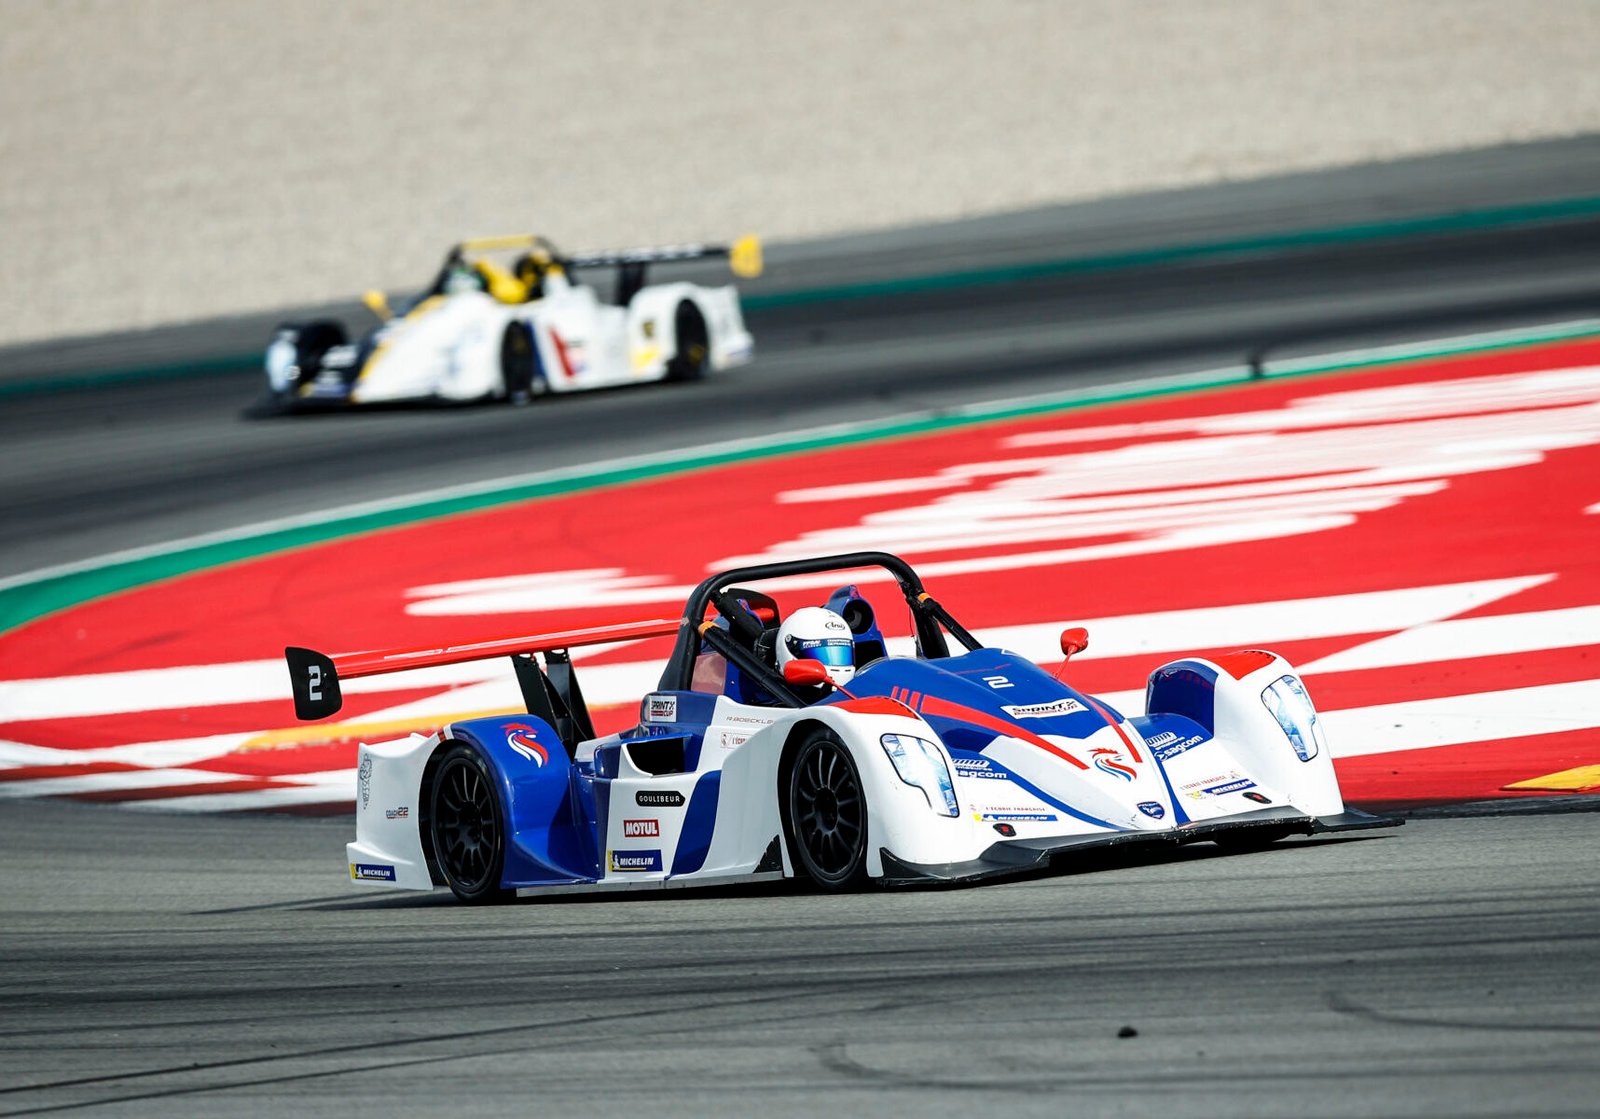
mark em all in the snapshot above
pixel 155 965
pixel 163 966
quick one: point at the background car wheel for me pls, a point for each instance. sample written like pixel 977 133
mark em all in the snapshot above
pixel 518 366
pixel 467 826
pixel 828 813
pixel 315 339
pixel 693 358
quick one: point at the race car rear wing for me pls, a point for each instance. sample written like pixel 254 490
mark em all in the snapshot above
pixel 744 255
pixel 549 691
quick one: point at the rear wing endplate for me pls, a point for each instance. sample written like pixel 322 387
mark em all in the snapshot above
pixel 744 255
pixel 549 691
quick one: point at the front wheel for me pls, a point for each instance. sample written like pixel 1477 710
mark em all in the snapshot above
pixel 828 813
pixel 467 826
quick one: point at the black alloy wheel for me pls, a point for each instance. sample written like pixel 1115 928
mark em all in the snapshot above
pixel 466 826
pixel 828 813
pixel 517 365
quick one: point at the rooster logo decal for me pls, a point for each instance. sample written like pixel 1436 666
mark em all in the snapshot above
pixel 1107 760
pixel 520 737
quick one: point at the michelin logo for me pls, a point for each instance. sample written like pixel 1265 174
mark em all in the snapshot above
pixel 1238 786
pixel 371 872
pixel 635 860
pixel 1044 710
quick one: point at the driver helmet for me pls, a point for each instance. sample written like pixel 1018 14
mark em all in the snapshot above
pixel 463 278
pixel 816 633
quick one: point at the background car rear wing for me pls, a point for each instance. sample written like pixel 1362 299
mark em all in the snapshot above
pixel 549 691
pixel 744 255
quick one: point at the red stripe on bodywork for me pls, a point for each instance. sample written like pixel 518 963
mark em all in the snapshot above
pixel 875 705
pixel 561 352
pixel 1243 663
pixel 931 706
pixel 1116 726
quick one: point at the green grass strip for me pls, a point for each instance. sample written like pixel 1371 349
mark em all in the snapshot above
pixel 1498 217
pixel 37 598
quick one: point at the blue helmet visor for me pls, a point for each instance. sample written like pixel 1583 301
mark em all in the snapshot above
pixel 835 652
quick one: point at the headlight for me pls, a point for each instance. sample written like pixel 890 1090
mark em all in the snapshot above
pixel 1286 698
pixel 920 765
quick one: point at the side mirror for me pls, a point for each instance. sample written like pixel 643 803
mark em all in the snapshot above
pixel 1073 641
pixel 808 673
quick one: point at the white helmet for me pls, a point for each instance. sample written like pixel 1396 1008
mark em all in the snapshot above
pixel 814 633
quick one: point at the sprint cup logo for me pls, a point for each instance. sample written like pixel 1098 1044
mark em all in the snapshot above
pixel 635 860
pixel 661 709
pixel 1067 706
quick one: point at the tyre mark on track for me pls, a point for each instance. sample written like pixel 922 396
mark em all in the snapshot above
pixel 829 992
pixel 1342 1004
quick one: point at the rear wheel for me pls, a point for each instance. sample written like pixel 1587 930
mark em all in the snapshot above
pixel 517 363
pixel 828 813
pixel 693 358
pixel 467 826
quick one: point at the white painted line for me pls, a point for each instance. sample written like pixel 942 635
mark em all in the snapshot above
pixel 1175 631
pixel 1464 638
pixel 1454 720
pixel 103 782
pixel 174 753
pixel 332 788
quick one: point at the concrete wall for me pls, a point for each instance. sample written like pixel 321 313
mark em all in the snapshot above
pixel 169 159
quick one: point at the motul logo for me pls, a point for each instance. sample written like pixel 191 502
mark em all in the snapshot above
pixel 632 829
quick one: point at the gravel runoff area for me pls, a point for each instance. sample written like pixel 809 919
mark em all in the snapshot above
pixel 175 159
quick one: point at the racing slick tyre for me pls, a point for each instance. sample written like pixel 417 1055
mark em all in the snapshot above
pixel 467 826
pixel 828 813
pixel 694 348
pixel 313 342
pixel 518 365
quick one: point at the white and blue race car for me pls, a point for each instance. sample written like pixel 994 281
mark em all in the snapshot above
pixel 487 330
pixel 841 755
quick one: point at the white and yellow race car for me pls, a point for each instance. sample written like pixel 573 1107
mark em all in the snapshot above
pixel 506 319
